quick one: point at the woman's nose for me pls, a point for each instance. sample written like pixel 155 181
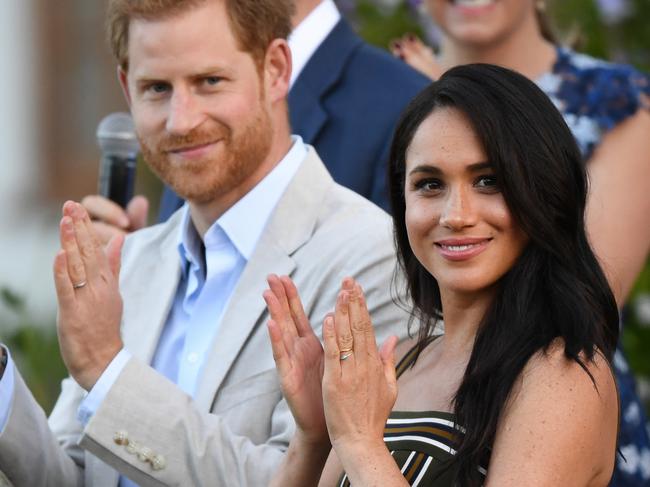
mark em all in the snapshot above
pixel 458 211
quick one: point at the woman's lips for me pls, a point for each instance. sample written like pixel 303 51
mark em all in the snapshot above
pixel 461 249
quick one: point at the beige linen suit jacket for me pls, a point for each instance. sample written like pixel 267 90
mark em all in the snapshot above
pixel 237 428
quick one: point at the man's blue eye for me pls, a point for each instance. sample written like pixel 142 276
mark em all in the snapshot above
pixel 158 87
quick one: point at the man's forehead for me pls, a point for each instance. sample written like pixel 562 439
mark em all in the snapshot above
pixel 206 23
pixel 200 36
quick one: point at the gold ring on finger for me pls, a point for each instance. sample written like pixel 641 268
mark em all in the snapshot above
pixel 345 355
pixel 79 285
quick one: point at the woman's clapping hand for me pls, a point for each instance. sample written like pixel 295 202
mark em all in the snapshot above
pixel 359 384
pixel 298 357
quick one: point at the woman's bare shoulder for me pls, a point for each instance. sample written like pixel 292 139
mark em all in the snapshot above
pixel 559 424
pixel 552 368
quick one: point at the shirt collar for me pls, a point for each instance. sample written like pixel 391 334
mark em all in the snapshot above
pixel 243 223
pixel 310 33
pixel 190 246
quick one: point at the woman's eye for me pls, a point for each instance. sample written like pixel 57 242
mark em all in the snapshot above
pixel 428 185
pixel 487 182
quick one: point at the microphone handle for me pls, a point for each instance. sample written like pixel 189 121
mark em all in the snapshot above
pixel 117 178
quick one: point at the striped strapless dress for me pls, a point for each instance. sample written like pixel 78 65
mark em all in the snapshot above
pixel 421 442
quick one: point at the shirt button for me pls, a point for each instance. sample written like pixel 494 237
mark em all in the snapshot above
pixel 193 358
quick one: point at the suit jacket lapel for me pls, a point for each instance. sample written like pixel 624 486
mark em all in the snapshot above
pixel 151 290
pixel 289 227
pixel 320 74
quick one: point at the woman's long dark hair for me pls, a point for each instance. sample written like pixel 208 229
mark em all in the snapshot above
pixel 556 289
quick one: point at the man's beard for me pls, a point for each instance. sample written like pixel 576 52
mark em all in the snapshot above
pixel 202 181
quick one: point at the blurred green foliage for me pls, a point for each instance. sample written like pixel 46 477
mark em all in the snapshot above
pixel 626 41
pixel 380 26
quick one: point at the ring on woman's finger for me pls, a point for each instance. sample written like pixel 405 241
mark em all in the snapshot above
pixel 79 285
pixel 346 354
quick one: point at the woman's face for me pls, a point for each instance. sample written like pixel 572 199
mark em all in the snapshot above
pixel 481 23
pixel 457 221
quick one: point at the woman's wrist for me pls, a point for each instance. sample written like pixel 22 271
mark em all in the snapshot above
pixel 303 463
pixel 359 447
pixel 368 462
pixel 311 442
pixel 358 452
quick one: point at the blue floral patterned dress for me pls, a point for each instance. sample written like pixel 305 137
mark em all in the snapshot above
pixel 595 96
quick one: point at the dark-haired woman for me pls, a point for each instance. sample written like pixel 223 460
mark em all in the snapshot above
pixel 607 107
pixel 488 194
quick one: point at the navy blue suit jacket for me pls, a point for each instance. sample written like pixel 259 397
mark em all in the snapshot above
pixel 346 103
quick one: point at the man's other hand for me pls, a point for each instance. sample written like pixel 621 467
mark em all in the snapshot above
pixel 109 219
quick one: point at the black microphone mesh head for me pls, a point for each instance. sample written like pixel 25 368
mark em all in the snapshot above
pixel 116 135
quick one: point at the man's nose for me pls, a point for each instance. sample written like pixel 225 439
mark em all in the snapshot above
pixel 459 210
pixel 185 113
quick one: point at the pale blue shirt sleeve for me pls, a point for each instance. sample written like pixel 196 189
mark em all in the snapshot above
pixel 93 400
pixel 6 391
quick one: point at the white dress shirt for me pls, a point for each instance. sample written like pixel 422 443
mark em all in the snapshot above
pixel 229 242
pixel 310 34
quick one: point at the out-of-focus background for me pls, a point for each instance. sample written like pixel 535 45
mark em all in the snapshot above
pixel 59 81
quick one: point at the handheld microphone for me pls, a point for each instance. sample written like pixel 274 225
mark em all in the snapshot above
pixel 120 147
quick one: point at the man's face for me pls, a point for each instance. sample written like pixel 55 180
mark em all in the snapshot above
pixel 198 102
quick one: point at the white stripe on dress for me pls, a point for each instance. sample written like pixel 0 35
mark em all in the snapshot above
pixel 422 472
pixel 444 422
pixel 440 445
pixel 407 462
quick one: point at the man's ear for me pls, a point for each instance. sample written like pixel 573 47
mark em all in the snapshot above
pixel 122 76
pixel 277 70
